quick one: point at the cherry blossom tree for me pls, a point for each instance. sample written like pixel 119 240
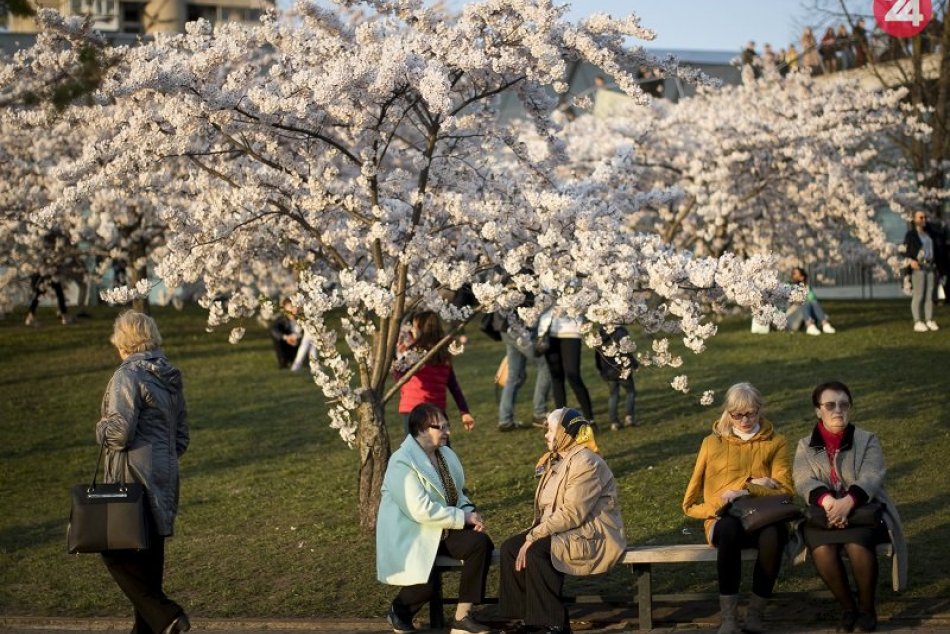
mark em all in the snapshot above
pixel 789 166
pixel 362 162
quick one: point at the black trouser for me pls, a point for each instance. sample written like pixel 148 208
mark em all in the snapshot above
pixel 474 549
pixel 532 594
pixel 285 353
pixel 139 575
pixel 38 284
pixel 730 538
pixel 564 360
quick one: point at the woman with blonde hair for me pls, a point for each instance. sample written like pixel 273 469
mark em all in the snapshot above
pixel 743 456
pixel 144 427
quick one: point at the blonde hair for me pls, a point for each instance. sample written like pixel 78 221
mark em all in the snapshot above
pixel 738 397
pixel 135 332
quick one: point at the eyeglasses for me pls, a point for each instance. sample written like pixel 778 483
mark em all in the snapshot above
pixel 737 416
pixel 831 406
pixel 443 427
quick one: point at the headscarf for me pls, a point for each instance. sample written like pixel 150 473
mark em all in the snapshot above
pixel 573 429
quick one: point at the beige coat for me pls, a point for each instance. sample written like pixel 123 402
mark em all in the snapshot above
pixel 585 526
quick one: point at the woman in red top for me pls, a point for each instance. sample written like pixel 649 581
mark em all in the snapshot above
pixel 430 382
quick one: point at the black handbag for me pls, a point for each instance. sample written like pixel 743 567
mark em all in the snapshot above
pixel 866 515
pixel 761 510
pixel 107 516
pixel 491 326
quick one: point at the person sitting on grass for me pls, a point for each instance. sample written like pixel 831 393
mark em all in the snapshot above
pixel 811 311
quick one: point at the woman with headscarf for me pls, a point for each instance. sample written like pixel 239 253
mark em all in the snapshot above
pixel 742 456
pixel 577 528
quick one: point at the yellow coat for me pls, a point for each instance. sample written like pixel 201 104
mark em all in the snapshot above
pixel 728 463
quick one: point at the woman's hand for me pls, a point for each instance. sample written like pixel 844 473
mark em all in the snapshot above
pixel 731 495
pixel 765 482
pixel 839 511
pixel 521 561
pixel 473 519
pixel 468 421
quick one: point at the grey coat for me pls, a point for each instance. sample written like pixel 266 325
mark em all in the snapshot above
pixel 145 427
pixel 860 467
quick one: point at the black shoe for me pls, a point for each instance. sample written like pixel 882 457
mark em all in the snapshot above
pixel 509 426
pixel 468 625
pixel 867 621
pixel 180 624
pixel 846 622
pixel 399 624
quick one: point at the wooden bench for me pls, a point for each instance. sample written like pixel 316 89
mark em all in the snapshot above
pixel 640 558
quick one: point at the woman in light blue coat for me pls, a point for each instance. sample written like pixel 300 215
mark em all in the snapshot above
pixel 424 512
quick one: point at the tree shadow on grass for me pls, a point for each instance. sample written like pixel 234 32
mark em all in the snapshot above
pixel 29 536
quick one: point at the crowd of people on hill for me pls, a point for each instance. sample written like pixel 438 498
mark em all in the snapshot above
pixel 839 48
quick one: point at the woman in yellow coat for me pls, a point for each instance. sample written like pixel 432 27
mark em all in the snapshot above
pixel 742 456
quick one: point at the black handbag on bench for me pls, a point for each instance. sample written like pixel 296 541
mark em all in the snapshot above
pixel 107 516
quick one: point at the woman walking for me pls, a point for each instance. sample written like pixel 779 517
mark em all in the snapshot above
pixel 144 427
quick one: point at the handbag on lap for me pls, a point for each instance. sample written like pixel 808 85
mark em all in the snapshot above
pixel 757 511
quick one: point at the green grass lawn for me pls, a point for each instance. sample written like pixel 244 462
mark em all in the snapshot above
pixel 268 517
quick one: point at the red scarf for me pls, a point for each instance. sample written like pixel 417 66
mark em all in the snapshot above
pixel 832 446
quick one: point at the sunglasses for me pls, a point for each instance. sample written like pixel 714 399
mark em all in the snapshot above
pixel 831 406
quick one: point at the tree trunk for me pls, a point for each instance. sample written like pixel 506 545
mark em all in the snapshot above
pixel 373 443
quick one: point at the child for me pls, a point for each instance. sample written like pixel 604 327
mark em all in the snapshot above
pixel 610 368
pixel 430 382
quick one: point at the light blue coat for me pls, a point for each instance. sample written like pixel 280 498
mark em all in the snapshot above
pixel 413 512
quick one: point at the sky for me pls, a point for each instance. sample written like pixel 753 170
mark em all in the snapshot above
pixel 711 25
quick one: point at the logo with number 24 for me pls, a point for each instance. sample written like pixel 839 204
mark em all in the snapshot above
pixel 903 18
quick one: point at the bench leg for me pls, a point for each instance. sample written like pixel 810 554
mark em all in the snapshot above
pixel 644 596
pixel 436 605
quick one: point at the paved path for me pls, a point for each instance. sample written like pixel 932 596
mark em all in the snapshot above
pixel 786 614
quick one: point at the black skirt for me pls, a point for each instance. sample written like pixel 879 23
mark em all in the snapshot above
pixel 867 536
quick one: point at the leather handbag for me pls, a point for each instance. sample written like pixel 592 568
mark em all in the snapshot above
pixel 107 516
pixel 757 511
pixel 866 515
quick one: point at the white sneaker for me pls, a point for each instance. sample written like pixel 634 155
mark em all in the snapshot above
pixel 812 329
pixel 828 329
pixel 933 325
pixel 920 326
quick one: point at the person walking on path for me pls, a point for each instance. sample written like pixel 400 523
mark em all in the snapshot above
pixel 144 427
pixel 920 250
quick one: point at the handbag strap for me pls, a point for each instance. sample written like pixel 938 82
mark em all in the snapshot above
pixel 95 474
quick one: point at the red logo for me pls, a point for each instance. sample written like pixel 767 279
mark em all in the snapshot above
pixel 902 18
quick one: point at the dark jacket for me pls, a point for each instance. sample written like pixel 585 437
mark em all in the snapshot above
pixel 610 367
pixel 145 426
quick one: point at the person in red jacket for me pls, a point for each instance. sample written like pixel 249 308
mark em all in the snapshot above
pixel 430 382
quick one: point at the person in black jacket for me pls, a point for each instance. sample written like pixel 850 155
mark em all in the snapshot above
pixel 286 333
pixel 921 248
pixel 611 364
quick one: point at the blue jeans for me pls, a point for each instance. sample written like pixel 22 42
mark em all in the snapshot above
pixel 518 374
pixel 614 398
pixel 923 298
pixel 807 312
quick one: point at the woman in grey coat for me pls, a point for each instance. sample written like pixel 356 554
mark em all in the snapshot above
pixel 144 426
pixel 840 468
